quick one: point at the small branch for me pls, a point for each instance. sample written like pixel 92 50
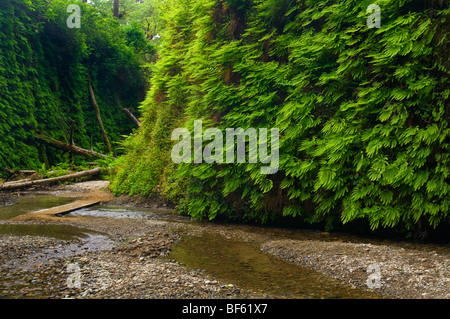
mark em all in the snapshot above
pixel 7 170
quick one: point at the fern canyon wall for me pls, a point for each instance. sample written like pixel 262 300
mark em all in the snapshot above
pixel 362 109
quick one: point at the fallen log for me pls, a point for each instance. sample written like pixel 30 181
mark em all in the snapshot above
pixel 11 172
pixel 69 148
pixel 132 117
pixel 17 176
pixel 15 185
pixel 19 181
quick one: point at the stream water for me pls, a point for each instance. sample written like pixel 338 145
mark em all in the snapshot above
pixel 244 264
pixel 18 205
pixel 79 240
pixel 128 212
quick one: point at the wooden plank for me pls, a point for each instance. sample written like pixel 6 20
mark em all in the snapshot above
pixel 59 211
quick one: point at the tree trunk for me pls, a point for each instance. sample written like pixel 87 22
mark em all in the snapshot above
pixel 99 118
pixel 24 184
pixel 132 117
pixel 69 148
pixel 116 9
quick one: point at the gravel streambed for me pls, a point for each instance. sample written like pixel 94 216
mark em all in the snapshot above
pixel 402 272
pixel 128 258
pixel 130 263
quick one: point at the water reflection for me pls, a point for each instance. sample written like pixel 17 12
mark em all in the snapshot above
pixel 13 207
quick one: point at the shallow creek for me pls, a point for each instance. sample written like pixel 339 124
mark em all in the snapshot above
pixel 18 205
pixel 244 264
pixel 78 240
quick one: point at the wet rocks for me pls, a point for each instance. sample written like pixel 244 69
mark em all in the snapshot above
pixel 85 186
pixel 25 271
pixel 152 245
pixel 122 276
pixel 132 262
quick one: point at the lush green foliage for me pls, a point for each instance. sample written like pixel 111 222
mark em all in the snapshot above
pixel 43 78
pixel 363 113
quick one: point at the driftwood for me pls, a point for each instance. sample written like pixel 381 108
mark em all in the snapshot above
pixel 19 181
pixel 22 172
pixel 132 117
pixel 69 148
pixel 24 184
pixel 24 175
